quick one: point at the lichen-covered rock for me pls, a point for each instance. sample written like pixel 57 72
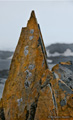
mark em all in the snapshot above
pixel 22 87
pixel 63 89
pixel 46 108
pixel 32 91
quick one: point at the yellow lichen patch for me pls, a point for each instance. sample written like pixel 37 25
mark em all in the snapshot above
pixel 55 67
pixel 45 107
pixel 66 63
pixel 46 77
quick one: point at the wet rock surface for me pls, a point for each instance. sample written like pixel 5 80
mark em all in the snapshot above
pixel 32 91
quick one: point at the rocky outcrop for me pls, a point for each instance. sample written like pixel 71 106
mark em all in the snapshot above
pixel 56 94
pixel 63 89
pixel 32 91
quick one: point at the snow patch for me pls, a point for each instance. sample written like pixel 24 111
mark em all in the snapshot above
pixel 9 58
pixel 49 61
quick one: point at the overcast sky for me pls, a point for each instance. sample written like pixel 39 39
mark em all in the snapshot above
pixel 55 19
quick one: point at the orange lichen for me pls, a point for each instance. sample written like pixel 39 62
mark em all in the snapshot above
pixel 32 91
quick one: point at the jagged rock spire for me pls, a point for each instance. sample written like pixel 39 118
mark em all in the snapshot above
pixel 32 14
pixel 32 22
pixel 22 87
pixel 32 91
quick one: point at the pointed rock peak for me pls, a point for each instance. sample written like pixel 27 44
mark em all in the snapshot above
pixel 32 19
pixel 33 14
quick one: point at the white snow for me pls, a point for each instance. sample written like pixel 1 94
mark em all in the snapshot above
pixel 68 52
pixel 9 58
pixel 50 61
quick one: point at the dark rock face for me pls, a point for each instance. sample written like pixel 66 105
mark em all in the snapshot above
pixel 5 54
pixel 2 117
pixel 4 73
pixel 60 48
pixel 59 52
